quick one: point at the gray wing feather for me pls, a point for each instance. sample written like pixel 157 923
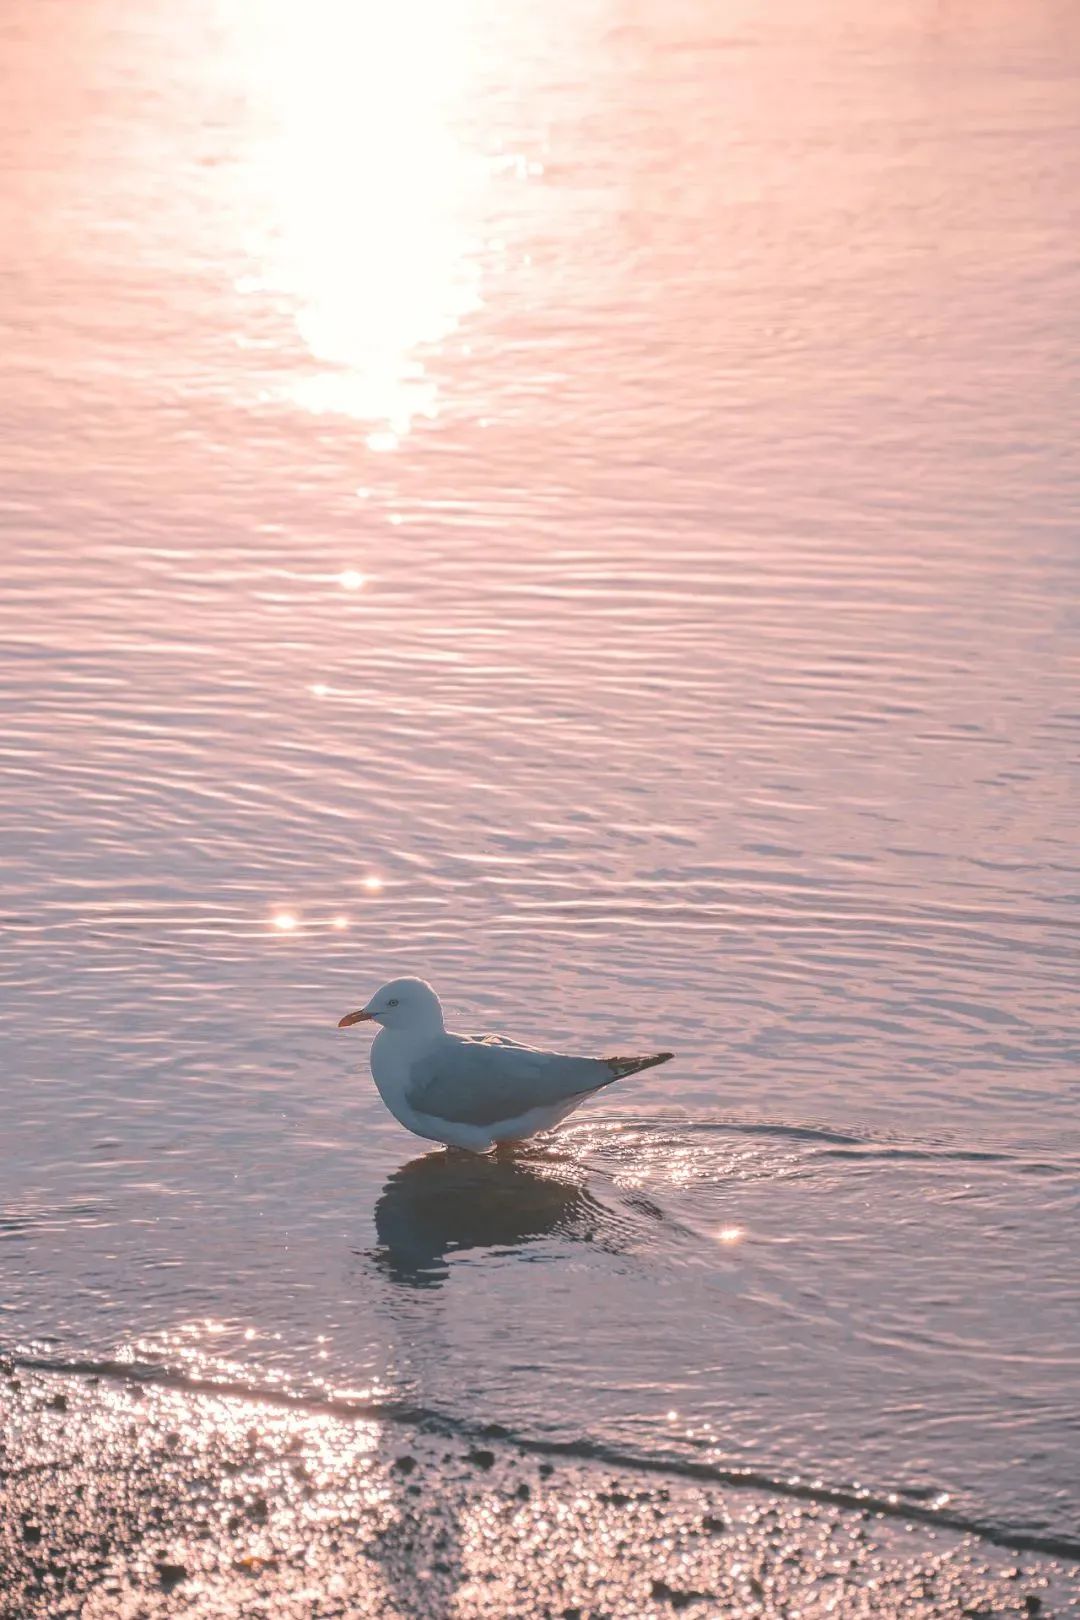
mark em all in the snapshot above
pixel 486 1081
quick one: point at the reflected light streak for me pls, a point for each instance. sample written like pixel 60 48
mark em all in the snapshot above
pixel 351 579
pixel 286 921
pixel 335 1452
pixel 367 193
pixel 373 883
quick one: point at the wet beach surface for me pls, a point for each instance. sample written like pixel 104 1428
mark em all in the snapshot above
pixel 128 1499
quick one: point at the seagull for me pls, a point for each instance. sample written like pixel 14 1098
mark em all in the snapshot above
pixel 473 1091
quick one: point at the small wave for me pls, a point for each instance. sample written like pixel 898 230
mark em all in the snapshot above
pixel 864 1151
pixel 795 1133
pixel 840 1144
pixel 912 1506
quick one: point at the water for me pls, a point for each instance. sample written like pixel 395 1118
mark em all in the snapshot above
pixel 579 503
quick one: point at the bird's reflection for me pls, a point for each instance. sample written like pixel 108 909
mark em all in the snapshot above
pixel 444 1203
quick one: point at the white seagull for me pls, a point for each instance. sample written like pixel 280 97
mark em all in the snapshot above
pixel 473 1091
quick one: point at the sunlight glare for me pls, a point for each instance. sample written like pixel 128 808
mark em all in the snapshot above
pixel 285 921
pixel 367 192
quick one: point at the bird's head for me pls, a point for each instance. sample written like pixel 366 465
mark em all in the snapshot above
pixel 402 1004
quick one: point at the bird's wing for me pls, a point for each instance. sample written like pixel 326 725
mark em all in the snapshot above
pixel 486 1081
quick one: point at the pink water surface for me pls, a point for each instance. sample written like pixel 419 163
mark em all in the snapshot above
pixel 578 501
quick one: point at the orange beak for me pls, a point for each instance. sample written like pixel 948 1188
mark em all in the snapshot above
pixel 352 1018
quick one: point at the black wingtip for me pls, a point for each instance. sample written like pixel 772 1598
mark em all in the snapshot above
pixel 622 1066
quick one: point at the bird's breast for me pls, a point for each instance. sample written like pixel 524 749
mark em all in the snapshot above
pixel 391 1064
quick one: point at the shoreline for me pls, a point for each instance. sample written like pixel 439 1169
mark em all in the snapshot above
pixel 128 1498
pixel 900 1507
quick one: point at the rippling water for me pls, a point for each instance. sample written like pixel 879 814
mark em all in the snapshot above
pixel 578 502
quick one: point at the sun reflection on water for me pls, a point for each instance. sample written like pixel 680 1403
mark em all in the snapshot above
pixel 366 192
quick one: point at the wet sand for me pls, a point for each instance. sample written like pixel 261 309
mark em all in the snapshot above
pixel 124 1500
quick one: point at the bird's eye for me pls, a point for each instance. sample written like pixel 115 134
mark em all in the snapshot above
pixel 392 1002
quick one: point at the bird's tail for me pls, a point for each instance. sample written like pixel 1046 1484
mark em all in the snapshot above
pixel 621 1066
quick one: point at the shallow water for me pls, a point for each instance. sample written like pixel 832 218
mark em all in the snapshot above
pixel 579 504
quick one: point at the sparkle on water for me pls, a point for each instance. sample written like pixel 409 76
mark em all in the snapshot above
pixel 382 441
